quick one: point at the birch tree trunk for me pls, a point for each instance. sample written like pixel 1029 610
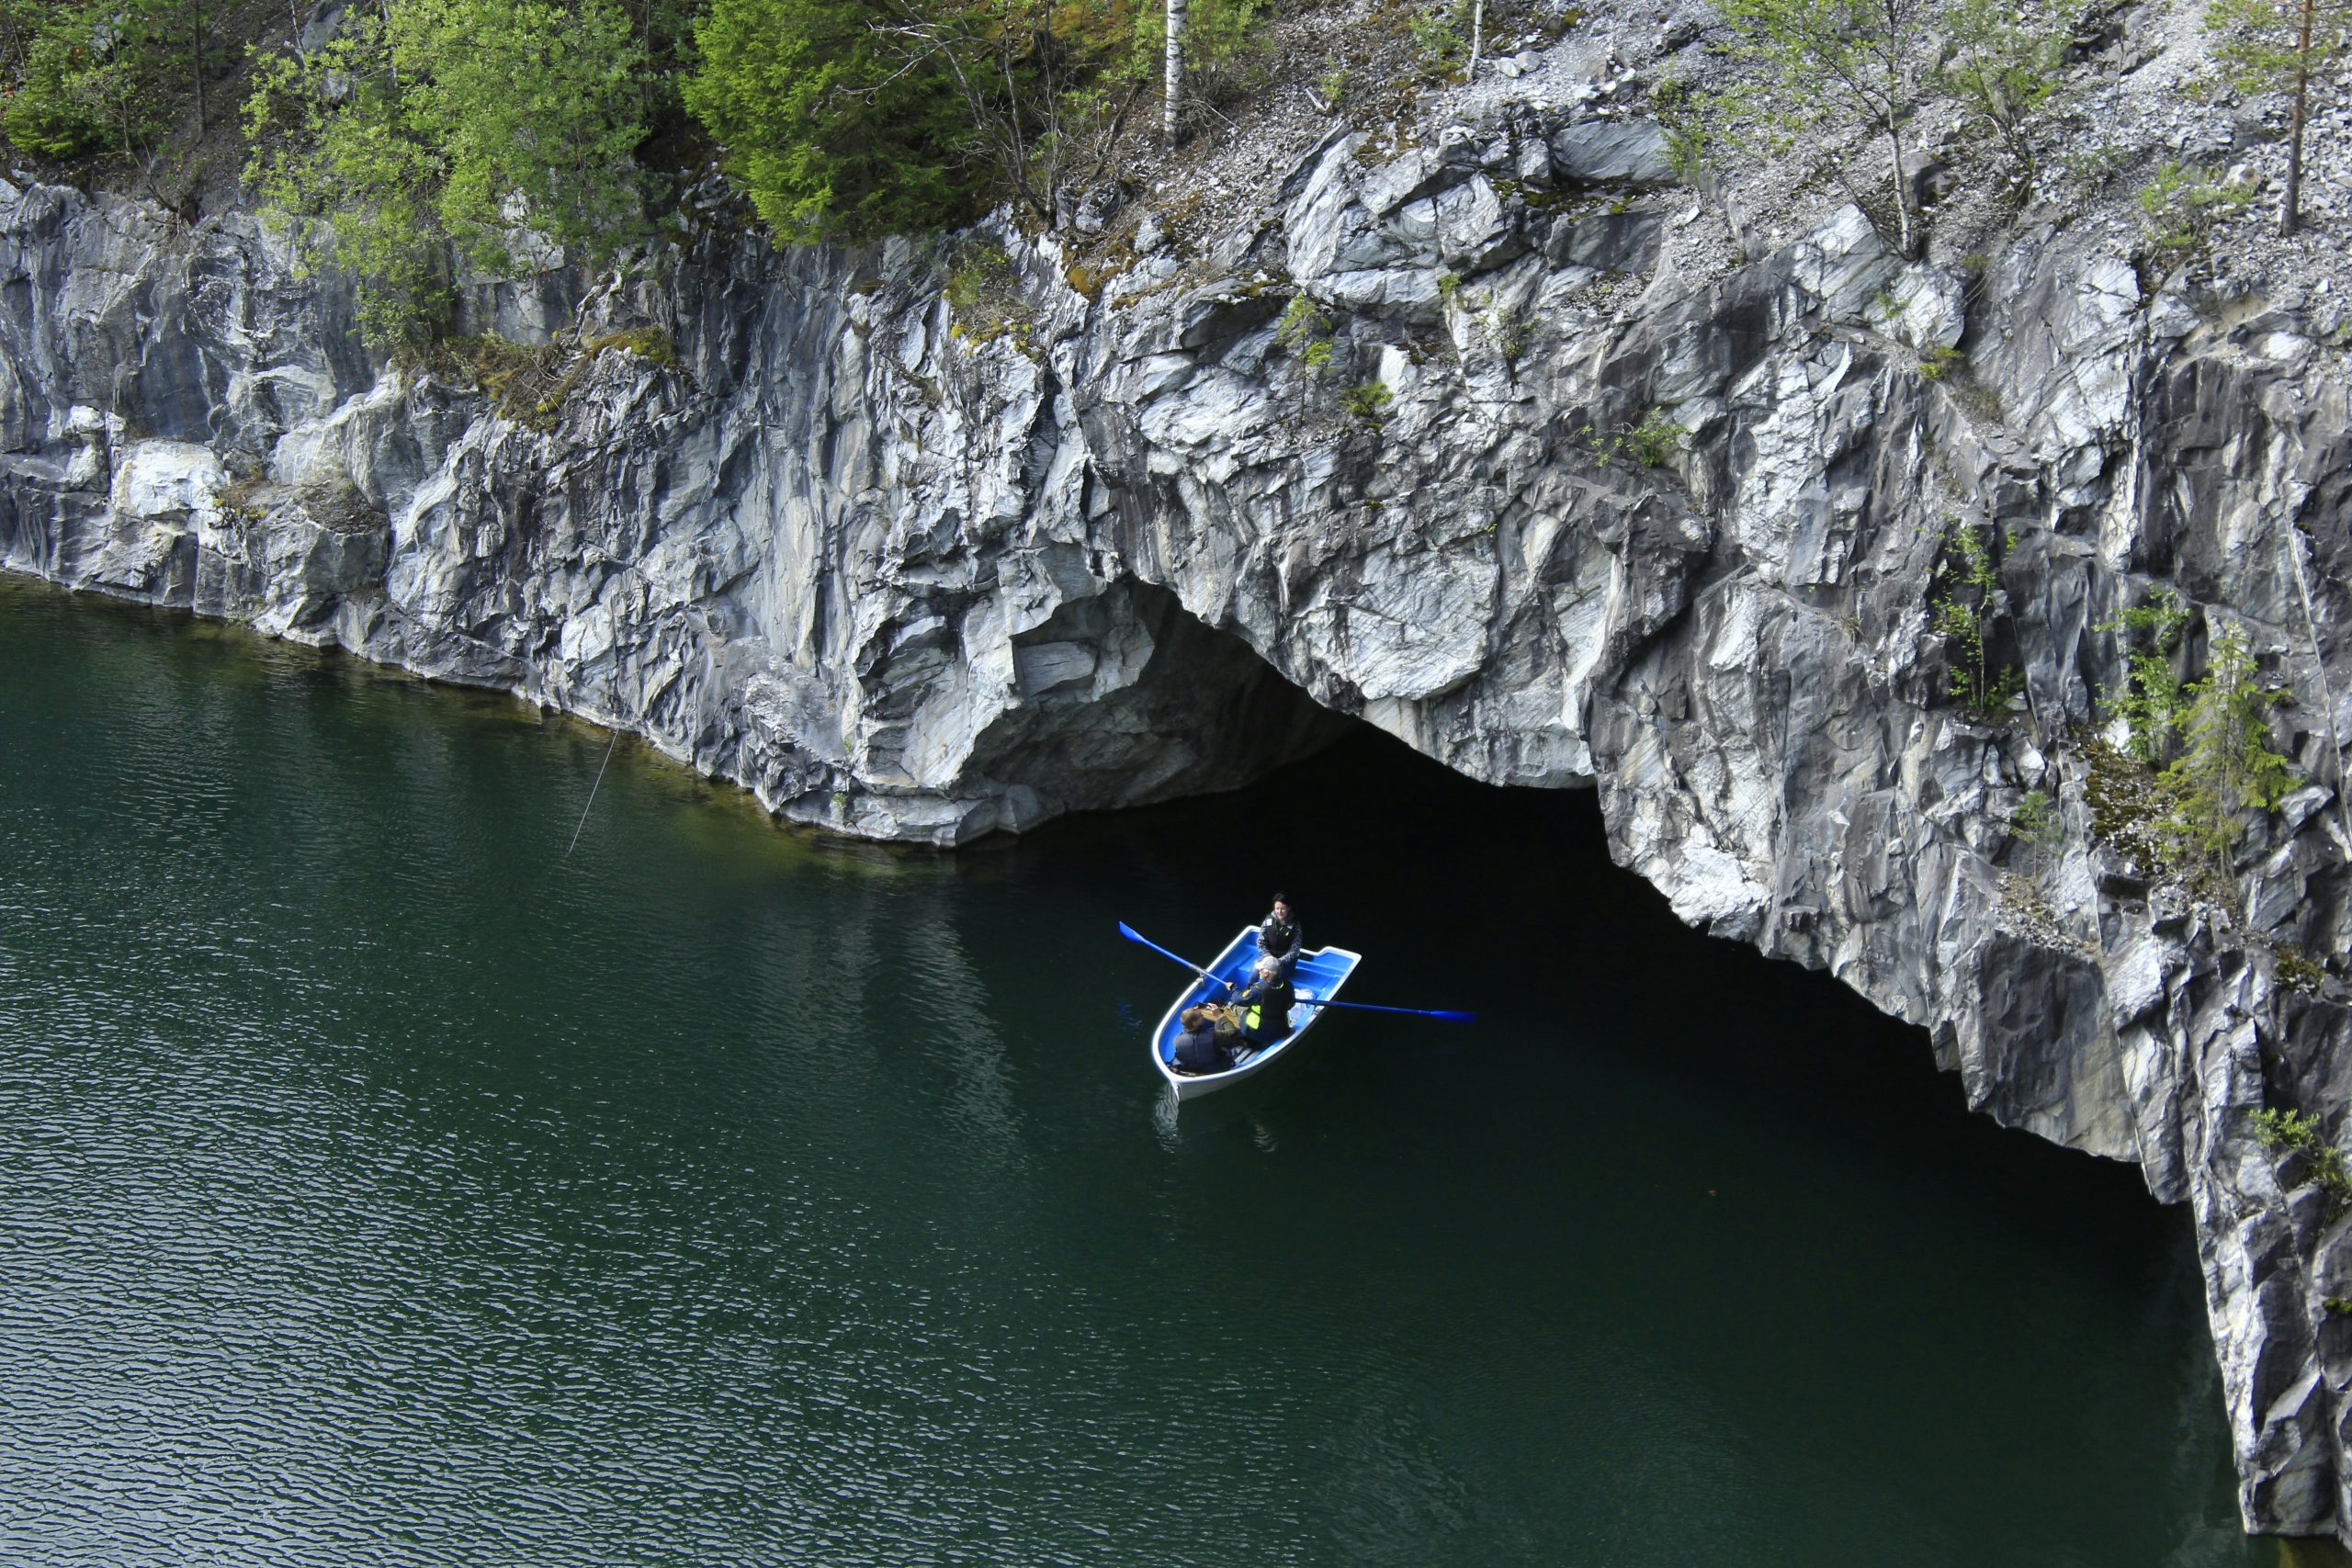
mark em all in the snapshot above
pixel 1478 36
pixel 1173 112
pixel 1902 188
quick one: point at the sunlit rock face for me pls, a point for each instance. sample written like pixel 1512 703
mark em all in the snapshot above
pixel 1554 508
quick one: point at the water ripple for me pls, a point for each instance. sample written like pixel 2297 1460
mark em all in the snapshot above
pixel 377 1187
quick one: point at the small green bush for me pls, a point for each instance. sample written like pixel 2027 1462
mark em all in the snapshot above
pixel 2289 1132
pixel 2008 65
pixel 650 344
pixel 1963 616
pixel 1305 332
pixel 1437 35
pixel 2036 820
pixel 2286 1130
pixel 2228 769
pixel 2095 164
pixel 2180 207
pixel 1367 402
pixel 976 270
pixel 2150 699
pixel 1333 86
pixel 2298 969
pixel 1937 363
pixel 1688 117
pixel 1651 443
pixel 1509 331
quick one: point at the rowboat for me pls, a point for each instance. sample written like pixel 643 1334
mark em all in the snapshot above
pixel 1316 976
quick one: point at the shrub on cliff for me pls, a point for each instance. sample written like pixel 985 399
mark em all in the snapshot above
pixel 850 118
pixel 2284 46
pixel 2293 1132
pixel 495 125
pixel 2006 63
pixel 2149 702
pixel 2228 769
pixel 830 133
pixel 1963 616
pixel 92 76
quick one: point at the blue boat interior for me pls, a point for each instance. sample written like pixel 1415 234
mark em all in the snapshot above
pixel 1316 975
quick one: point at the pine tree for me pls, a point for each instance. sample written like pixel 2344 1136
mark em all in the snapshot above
pixel 2282 45
pixel 2151 700
pixel 2227 768
pixel 832 134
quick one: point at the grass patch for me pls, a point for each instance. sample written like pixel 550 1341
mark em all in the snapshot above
pixel 2299 970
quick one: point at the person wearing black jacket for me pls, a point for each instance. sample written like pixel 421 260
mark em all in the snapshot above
pixel 1279 938
pixel 1200 1049
pixel 1264 1005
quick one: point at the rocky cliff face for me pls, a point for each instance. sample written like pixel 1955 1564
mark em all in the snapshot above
pixel 1558 506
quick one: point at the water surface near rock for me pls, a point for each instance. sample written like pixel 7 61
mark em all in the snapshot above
pixel 386 1187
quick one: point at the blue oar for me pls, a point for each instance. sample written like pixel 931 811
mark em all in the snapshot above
pixel 1447 1013
pixel 1134 935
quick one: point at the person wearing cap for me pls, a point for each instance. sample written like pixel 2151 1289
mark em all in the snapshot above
pixel 1264 1005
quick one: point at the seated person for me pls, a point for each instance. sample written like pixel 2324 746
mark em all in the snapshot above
pixel 1264 1004
pixel 1203 1047
pixel 1279 937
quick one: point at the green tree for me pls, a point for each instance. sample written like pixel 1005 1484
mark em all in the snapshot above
pixel 91 75
pixel 848 119
pixel 2227 767
pixel 532 110
pixel 832 132
pixel 333 159
pixel 1855 63
pixel 1046 85
pixel 486 125
pixel 1963 615
pixel 2150 700
pixel 2005 63
pixel 2282 45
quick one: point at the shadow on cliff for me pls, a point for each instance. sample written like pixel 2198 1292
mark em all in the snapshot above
pixel 1463 894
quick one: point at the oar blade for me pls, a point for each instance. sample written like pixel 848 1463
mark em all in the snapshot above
pixel 1135 936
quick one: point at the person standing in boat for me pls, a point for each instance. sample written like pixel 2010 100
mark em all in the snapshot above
pixel 1264 1005
pixel 1278 936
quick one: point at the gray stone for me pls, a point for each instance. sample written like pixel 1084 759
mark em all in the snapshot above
pixel 1612 152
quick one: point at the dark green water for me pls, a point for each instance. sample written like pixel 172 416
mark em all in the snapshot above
pixel 377 1187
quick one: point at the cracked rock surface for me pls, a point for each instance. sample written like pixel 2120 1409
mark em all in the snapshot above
pixel 1552 510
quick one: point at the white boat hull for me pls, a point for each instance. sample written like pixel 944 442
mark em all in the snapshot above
pixel 1317 977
